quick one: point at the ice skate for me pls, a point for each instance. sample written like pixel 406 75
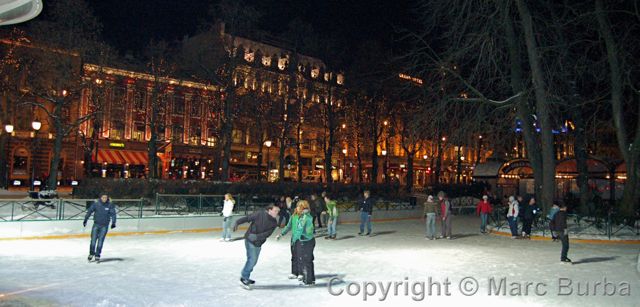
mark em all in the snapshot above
pixel 245 283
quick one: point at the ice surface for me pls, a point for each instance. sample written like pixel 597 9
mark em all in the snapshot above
pixel 198 270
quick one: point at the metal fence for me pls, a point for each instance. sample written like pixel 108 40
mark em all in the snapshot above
pixel 62 209
pixel 160 205
pixel 577 224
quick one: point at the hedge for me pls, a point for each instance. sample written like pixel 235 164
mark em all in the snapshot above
pixel 143 188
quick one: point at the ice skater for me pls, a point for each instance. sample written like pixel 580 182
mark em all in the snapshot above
pixel 302 244
pixel 366 210
pixel 528 216
pixel 332 213
pixel 227 212
pixel 430 213
pixel 512 216
pixel 559 226
pixel 445 212
pixel 263 223
pixel 483 210
pixel 103 211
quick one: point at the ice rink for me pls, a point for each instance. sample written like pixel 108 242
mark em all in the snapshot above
pixel 195 269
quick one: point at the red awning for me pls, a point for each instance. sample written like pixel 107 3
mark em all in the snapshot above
pixel 110 157
pixel 122 157
pixel 135 157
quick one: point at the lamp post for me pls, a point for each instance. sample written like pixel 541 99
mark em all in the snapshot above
pixel 344 173
pixel 36 125
pixel 385 165
pixel 9 129
pixel 268 144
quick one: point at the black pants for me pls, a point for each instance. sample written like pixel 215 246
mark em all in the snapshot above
pixel 304 254
pixel 526 226
pixel 294 260
pixel 317 216
pixel 564 238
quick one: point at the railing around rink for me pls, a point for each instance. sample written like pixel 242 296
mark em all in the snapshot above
pixel 160 205
pixel 64 209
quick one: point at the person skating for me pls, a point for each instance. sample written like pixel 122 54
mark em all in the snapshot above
pixel 227 211
pixel 512 216
pixel 263 223
pixel 316 208
pixel 332 213
pixel 527 217
pixel 430 213
pixel 445 212
pixel 103 211
pixel 366 210
pixel 302 244
pixel 483 210
pixel 559 226
pixel 552 213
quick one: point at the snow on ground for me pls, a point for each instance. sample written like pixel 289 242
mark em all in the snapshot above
pixel 197 270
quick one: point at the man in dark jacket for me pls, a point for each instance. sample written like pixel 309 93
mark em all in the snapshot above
pixel 103 211
pixel 559 226
pixel 366 209
pixel 263 223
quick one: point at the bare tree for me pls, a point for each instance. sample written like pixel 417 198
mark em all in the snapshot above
pixel 620 62
pixel 53 69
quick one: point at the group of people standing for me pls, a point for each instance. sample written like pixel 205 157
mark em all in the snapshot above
pixel 440 209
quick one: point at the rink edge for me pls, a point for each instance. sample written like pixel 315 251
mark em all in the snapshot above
pixel 161 232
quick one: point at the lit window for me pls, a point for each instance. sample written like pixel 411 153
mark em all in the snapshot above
pixel 315 72
pixel 138 131
pixel 327 76
pixel 340 79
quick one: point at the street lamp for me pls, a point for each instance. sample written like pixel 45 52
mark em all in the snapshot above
pixel 344 173
pixel 268 144
pixel 9 129
pixel 36 125
pixel 386 165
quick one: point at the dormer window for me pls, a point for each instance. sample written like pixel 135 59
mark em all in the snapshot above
pixel 327 76
pixel 282 63
pixel 266 61
pixel 340 79
pixel 249 56
pixel 315 72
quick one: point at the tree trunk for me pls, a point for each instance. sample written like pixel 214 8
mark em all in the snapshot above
pixel 298 154
pixel 374 150
pixel 542 109
pixel 283 144
pixel 52 182
pixel 360 170
pixel 259 164
pixel 409 186
pixel 152 145
pixel 580 147
pixel 4 152
pixel 630 152
pixel 227 130
pixel 436 173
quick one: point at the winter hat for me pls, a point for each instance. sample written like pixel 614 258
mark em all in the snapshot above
pixel 512 199
pixel 485 197
pixel 441 194
pixel 430 198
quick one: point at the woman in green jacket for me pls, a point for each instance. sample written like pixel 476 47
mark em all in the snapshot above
pixel 332 212
pixel 302 244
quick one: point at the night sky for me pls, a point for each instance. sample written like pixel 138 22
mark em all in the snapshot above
pixel 129 25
